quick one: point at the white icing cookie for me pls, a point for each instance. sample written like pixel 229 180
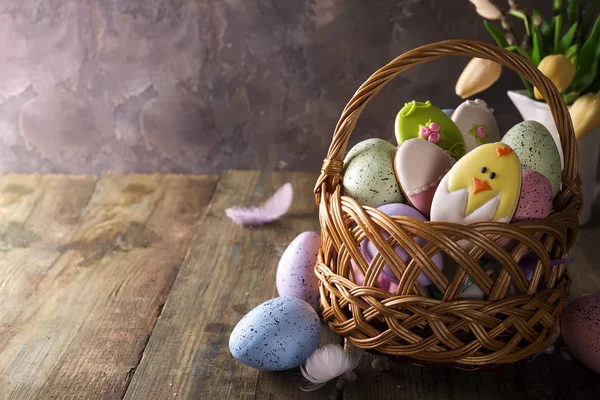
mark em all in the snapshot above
pixel 420 166
pixel 477 123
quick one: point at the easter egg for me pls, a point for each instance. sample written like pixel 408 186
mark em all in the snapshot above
pixel 536 149
pixel 420 166
pixel 369 174
pixel 278 334
pixel 448 111
pixel 580 326
pixel 535 201
pixel 369 250
pixel 482 186
pixel 295 272
pixel 477 123
pixel 422 120
pixel 384 282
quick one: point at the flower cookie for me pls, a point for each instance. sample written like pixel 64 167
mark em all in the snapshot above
pixel 420 165
pixel 423 121
pixel 483 186
pixel 477 123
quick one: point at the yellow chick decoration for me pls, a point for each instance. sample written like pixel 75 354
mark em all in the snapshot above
pixel 482 186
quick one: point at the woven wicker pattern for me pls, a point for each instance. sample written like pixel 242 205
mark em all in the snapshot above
pixel 498 329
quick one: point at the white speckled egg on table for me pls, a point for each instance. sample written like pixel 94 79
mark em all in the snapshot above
pixel 369 173
pixel 295 272
pixel 277 335
pixel 535 201
pixel 580 326
pixel 536 149
pixel 476 122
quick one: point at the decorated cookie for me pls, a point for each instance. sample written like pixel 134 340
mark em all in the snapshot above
pixel 477 123
pixel 535 201
pixel 369 250
pixel 369 174
pixel 535 147
pixel 423 121
pixel 483 186
pixel 420 166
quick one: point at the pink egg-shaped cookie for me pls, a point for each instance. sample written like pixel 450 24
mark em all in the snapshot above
pixel 580 326
pixel 535 200
pixel 420 166
pixel 369 250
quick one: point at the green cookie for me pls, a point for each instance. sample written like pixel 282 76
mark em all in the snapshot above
pixel 415 115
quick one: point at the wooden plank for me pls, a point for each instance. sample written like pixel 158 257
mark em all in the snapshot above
pixel 95 307
pixel 574 380
pixel 381 378
pixel 19 195
pixel 228 271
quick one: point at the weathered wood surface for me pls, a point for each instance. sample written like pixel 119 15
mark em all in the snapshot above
pixel 229 270
pixel 87 263
pixel 92 283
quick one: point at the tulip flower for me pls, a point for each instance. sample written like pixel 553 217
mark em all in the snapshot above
pixel 585 114
pixel 559 70
pixel 478 75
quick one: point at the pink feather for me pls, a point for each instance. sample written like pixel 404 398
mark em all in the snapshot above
pixel 269 211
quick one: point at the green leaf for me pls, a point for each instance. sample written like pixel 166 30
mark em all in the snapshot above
pixel 522 16
pixel 557 6
pixel 588 59
pixel 557 19
pixel 496 33
pixel 537 53
pixel 570 97
pixel 546 30
pixel 573 11
pixel 567 40
pixel 571 52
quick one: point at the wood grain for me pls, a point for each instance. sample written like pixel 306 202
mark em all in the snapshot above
pixel 83 332
pixel 228 271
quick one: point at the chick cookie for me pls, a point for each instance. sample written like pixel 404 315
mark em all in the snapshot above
pixel 482 186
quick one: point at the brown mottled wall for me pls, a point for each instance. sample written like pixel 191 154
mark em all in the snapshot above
pixel 201 86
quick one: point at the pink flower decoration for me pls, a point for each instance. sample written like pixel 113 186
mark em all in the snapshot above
pixel 480 132
pixel 434 137
pixel 434 127
pixel 424 132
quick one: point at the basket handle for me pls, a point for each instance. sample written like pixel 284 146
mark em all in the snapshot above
pixel 333 165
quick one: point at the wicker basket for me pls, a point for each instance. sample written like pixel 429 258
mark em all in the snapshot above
pixel 409 323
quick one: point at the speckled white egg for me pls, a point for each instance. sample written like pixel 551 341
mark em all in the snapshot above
pixel 277 335
pixel 369 174
pixel 295 272
pixel 536 149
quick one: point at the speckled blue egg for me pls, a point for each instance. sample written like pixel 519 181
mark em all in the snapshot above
pixel 369 174
pixel 533 143
pixel 295 272
pixel 448 111
pixel 278 334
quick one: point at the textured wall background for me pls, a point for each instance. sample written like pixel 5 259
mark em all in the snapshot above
pixel 200 86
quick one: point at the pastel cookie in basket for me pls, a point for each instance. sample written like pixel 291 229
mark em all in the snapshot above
pixel 536 149
pixel 482 186
pixel 369 250
pixel 369 173
pixel 420 166
pixel 422 120
pixel 477 123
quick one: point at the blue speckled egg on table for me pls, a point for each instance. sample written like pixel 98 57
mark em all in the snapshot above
pixel 295 272
pixel 369 174
pixel 533 143
pixel 276 335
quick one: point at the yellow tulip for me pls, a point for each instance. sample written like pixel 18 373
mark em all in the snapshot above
pixel 478 75
pixel 585 114
pixel 559 70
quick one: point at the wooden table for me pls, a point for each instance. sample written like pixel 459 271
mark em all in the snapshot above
pixel 127 286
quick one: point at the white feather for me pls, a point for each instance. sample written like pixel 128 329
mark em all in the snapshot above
pixel 326 363
pixel 267 212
